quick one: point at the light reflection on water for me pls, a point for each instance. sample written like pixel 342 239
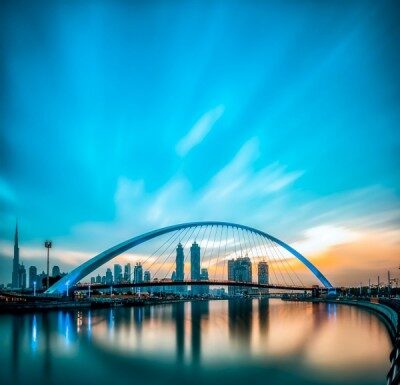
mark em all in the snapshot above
pixel 259 341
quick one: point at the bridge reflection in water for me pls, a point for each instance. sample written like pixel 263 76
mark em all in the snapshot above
pixel 197 342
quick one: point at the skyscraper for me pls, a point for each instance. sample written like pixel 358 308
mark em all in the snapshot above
pixel 239 270
pixel 117 273
pixel 243 270
pixel 180 269
pixel 108 277
pixel 22 276
pixel 98 278
pixel 195 266
pixel 127 272
pixel 204 277
pixel 55 272
pixel 41 280
pixel 231 276
pixel 147 276
pixel 263 275
pixel 195 262
pixel 138 273
pixel 32 276
pixel 179 262
pixel 15 273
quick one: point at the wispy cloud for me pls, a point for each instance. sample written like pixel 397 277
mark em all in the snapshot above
pixel 199 131
pixel 234 189
pixel 327 229
pixel 321 238
pixel 239 180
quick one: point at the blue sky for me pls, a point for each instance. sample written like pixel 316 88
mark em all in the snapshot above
pixel 118 117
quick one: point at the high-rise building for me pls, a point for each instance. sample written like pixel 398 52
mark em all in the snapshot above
pixel 93 280
pixel 243 270
pixel 55 271
pixel 127 272
pixel 263 275
pixel 109 277
pixel 179 269
pixel 104 279
pixel 98 278
pixel 22 276
pixel 41 282
pixel 179 263
pixel 32 276
pixel 15 284
pixel 117 273
pixel 138 273
pixel 231 276
pixel 204 277
pixel 195 266
pixel 239 270
pixel 146 276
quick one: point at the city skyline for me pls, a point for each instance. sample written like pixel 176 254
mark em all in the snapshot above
pixel 130 258
pixel 242 272
pixel 306 151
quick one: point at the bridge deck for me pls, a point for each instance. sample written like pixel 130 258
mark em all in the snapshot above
pixel 80 287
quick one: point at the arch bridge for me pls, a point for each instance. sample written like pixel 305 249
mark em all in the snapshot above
pixel 221 254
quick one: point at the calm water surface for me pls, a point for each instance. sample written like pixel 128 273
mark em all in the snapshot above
pixel 216 342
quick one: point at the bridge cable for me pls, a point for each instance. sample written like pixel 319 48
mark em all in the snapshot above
pixel 211 253
pixel 257 246
pixel 272 248
pixel 185 261
pixel 184 246
pixel 152 254
pixel 285 261
pixel 202 259
pixel 269 255
pixel 234 241
pixel 169 255
pixel 290 266
pixel 186 256
pixel 256 250
pixel 252 250
pixel 177 234
pixel 225 260
pixel 219 248
pixel 280 260
pixel 215 273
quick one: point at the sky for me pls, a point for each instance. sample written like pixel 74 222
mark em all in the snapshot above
pixel 119 117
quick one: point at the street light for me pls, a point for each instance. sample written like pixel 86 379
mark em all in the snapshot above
pixel 34 288
pixel 48 245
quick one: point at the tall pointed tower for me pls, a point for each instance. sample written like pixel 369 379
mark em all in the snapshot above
pixel 15 274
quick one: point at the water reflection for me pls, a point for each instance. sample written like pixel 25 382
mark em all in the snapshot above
pixel 34 333
pixel 179 315
pixel 240 315
pixel 199 310
pixel 193 342
pixel 17 335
